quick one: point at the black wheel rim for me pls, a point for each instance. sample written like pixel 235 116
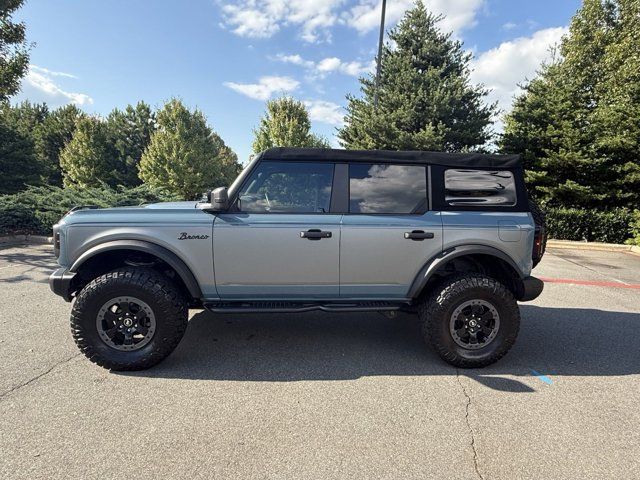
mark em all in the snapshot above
pixel 126 323
pixel 474 324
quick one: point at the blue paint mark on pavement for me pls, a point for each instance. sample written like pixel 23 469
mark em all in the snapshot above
pixel 544 378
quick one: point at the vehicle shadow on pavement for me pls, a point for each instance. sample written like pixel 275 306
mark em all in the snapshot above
pixel 317 346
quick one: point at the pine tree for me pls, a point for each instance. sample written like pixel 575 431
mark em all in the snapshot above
pixel 425 98
pixel 19 164
pixel 577 123
pixel 617 118
pixel 88 159
pixel 130 131
pixel 286 124
pixel 184 155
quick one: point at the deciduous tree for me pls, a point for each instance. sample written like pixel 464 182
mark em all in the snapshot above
pixel 286 124
pixel 88 160
pixel 184 155
pixel 50 138
pixel 14 51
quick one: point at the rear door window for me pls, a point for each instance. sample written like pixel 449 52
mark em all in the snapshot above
pixel 387 188
pixel 466 187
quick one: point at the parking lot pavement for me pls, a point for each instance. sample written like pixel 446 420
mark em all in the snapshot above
pixel 329 396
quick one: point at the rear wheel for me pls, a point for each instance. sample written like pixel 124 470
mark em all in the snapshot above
pixel 129 319
pixel 471 320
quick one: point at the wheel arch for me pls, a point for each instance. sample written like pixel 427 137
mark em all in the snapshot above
pixel 475 258
pixel 107 252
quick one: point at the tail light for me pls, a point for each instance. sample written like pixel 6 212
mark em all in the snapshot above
pixel 539 243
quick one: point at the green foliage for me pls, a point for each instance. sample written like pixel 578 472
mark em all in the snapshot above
pixel 18 165
pixel 577 124
pixel 425 98
pixel 614 226
pixel 36 209
pixel 286 124
pixel 14 52
pixel 42 135
pixel 130 131
pixel 19 162
pixel 50 137
pixel 89 159
pixel 185 155
pixel 635 229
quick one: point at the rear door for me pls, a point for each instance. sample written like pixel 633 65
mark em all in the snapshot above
pixel 389 232
pixel 282 242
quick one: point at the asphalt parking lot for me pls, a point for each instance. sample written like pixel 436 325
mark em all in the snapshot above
pixel 329 396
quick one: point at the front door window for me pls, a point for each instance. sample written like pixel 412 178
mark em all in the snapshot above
pixel 288 187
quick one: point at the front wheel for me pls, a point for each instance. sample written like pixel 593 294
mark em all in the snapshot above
pixel 129 319
pixel 471 320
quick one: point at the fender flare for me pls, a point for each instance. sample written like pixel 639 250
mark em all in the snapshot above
pixel 162 253
pixel 429 268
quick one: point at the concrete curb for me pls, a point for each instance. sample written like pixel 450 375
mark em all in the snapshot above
pixel 605 247
pixel 26 239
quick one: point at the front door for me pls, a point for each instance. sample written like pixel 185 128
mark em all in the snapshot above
pixel 281 241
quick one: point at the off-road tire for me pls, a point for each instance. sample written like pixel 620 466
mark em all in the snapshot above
pixel 540 219
pixel 435 314
pixel 156 290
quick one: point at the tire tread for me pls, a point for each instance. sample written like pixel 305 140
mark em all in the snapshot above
pixel 170 303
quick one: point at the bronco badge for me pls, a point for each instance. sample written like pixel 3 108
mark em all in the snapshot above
pixel 186 236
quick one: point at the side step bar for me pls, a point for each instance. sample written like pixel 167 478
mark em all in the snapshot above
pixel 297 307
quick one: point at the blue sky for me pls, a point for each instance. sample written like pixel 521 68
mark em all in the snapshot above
pixel 227 57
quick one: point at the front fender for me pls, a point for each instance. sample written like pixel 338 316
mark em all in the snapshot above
pixel 162 253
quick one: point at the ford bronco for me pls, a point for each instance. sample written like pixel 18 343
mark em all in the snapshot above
pixel 452 237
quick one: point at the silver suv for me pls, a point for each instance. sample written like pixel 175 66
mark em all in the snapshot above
pixel 452 237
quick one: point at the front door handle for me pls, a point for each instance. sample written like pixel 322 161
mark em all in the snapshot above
pixel 315 234
pixel 418 235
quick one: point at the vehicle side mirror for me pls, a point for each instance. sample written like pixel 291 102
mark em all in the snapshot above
pixel 220 198
pixel 215 200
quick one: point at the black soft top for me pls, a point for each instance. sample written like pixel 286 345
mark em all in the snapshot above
pixel 390 156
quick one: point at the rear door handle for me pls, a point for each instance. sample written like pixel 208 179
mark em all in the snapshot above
pixel 315 234
pixel 418 235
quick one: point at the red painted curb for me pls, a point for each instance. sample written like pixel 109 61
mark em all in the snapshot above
pixel 591 283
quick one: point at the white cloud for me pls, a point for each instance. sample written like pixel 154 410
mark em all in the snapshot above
pixel 265 87
pixel 509 26
pixel 328 65
pixel 459 14
pixel 325 112
pixel 263 18
pixel 295 60
pixel 502 68
pixel 39 85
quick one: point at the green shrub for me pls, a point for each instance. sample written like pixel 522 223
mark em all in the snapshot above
pixel 612 226
pixel 36 209
pixel 635 229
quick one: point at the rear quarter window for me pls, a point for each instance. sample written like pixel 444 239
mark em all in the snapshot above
pixel 491 188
